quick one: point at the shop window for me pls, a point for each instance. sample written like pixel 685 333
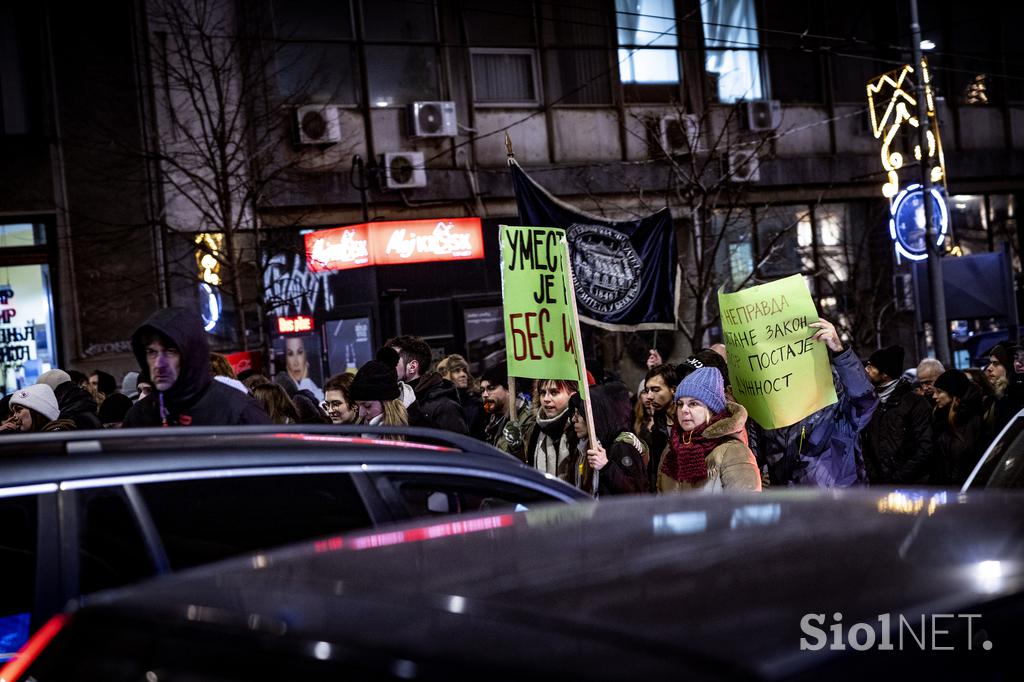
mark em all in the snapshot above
pixel 504 77
pixel 731 45
pixel 400 74
pixel 27 339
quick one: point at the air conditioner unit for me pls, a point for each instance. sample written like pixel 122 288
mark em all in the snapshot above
pixel 680 134
pixel 404 170
pixel 744 166
pixel 763 114
pixel 317 124
pixel 432 119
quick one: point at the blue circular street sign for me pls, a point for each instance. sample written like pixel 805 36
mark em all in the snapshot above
pixel 907 222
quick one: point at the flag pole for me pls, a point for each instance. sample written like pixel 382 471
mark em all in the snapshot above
pixel 581 363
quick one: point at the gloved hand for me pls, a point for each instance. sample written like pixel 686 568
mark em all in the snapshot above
pixel 513 435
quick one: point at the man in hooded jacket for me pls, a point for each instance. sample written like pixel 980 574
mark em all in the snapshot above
pixel 173 351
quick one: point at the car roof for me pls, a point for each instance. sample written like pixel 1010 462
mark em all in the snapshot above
pixel 699 582
pixel 30 459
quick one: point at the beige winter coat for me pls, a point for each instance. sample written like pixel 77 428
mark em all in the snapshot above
pixel 731 465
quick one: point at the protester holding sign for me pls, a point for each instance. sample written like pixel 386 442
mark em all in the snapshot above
pixel 708 449
pixel 618 454
pixel 823 448
pixel 552 444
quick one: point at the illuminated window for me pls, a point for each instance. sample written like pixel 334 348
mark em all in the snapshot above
pixel 731 42
pixel 647 41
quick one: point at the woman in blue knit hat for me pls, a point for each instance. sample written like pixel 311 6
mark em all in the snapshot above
pixel 707 450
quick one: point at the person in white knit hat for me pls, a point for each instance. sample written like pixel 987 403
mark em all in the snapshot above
pixel 34 408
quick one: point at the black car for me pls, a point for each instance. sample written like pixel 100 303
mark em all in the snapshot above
pixel 1002 465
pixel 86 511
pixel 787 585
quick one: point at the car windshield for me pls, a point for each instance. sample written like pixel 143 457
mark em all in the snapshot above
pixel 1003 464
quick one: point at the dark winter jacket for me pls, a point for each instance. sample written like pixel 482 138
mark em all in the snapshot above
pixel 822 449
pixel 194 399
pixel 959 447
pixel 496 433
pixel 78 405
pixel 626 470
pixel 473 409
pixel 437 405
pixel 656 441
pixel 898 440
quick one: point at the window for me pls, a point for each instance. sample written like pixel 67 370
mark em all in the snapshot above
pixel 18 28
pixel 731 45
pixel 969 223
pixel 508 23
pixel 647 41
pixel 399 20
pixel 201 521
pixel 777 238
pixel 794 60
pixel 18 520
pixel 400 74
pixel 735 256
pixel 316 61
pixel 504 77
pixel 112 551
pixel 576 60
pixel 426 495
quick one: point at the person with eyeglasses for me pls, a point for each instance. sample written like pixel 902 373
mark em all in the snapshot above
pixel 707 450
pixel 338 399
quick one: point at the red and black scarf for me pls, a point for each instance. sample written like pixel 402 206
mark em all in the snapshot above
pixel 686 459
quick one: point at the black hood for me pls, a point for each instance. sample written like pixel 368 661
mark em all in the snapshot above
pixel 185 328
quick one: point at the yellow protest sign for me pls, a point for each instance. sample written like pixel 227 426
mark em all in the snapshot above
pixel 777 371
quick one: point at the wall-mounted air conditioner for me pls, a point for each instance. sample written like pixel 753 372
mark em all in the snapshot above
pixel 404 170
pixel 744 166
pixel 317 124
pixel 762 114
pixel 680 134
pixel 432 119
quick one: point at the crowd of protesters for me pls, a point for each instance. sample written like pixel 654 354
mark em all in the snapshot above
pixel 681 430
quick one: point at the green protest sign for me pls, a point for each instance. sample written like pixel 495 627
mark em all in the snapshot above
pixel 777 371
pixel 540 328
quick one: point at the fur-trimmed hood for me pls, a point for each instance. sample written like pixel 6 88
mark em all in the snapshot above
pixel 733 425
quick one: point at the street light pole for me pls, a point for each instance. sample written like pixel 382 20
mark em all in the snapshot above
pixel 940 326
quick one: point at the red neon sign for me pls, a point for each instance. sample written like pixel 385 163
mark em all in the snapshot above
pixel 393 243
pixel 294 325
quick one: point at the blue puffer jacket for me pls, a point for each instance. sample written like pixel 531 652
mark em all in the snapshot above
pixel 822 449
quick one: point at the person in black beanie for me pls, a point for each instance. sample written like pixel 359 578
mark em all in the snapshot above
pixel 897 442
pixel 960 432
pixel 1007 384
pixel 376 392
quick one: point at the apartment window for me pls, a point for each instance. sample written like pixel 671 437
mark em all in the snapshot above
pixel 794 60
pixel 504 76
pixel 399 20
pixel 503 59
pixel 575 36
pixel 731 46
pixel 648 41
pixel 17 61
pixel 399 74
pixel 734 262
pixel 316 59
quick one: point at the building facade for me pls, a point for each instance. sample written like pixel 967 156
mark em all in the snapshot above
pixel 748 119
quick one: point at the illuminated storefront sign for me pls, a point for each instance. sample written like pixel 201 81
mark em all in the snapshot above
pixel 295 325
pixel 892 107
pixel 394 243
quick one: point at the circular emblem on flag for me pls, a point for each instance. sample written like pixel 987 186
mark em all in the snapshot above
pixel 605 268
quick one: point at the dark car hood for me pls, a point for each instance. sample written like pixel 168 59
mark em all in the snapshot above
pixel 684 583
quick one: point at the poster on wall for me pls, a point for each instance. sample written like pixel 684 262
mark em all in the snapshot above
pixel 349 344
pixel 300 357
